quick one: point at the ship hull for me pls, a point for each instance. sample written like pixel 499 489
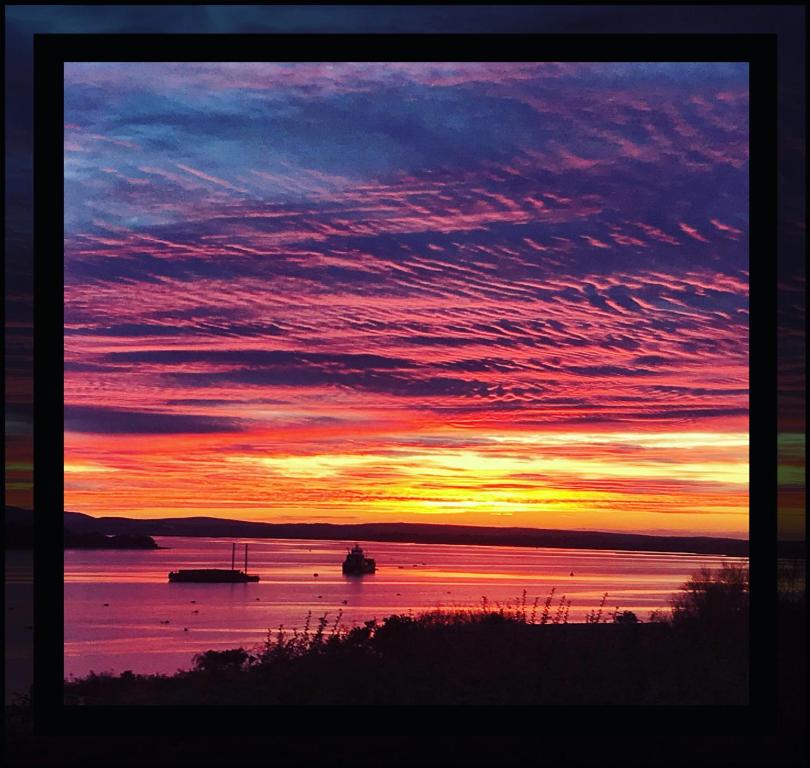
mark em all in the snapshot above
pixel 357 569
pixel 212 576
pixel 353 572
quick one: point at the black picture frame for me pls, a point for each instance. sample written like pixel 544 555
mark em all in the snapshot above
pixel 402 735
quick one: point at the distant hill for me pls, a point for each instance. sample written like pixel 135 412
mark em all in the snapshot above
pixel 422 533
pixel 18 533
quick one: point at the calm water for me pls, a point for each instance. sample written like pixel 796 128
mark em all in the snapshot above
pixel 115 601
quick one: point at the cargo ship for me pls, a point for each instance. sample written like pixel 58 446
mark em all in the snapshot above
pixel 216 575
pixel 357 564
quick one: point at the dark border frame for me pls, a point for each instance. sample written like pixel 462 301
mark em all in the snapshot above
pixel 491 735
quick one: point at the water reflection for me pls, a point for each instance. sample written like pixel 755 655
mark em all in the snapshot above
pixel 121 612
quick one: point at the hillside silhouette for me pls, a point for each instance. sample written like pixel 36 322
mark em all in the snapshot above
pixel 419 533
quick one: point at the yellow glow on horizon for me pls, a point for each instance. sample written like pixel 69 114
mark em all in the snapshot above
pixel 459 463
pixel 691 482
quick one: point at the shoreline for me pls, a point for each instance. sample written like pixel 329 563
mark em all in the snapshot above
pixel 411 533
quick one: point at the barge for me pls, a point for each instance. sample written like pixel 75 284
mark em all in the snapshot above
pixel 216 575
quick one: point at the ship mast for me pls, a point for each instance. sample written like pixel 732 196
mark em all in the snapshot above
pixel 233 556
pixel 245 558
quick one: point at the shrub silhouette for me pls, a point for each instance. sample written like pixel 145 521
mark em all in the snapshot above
pixel 233 660
pixel 695 653
pixel 713 599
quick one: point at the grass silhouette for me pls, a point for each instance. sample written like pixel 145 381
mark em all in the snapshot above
pixel 488 654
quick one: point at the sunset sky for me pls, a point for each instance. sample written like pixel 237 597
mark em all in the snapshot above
pixel 483 293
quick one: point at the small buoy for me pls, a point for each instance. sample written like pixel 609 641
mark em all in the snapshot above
pixel 320 596
pixel 572 573
pixel 345 602
pixel 195 611
pixel 106 605
pixel 193 601
pixel 315 575
pixel 185 629
pixel 258 598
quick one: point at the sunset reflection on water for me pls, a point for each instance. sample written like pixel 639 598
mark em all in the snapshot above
pixel 115 601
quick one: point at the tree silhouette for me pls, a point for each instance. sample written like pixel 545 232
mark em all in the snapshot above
pixel 713 598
